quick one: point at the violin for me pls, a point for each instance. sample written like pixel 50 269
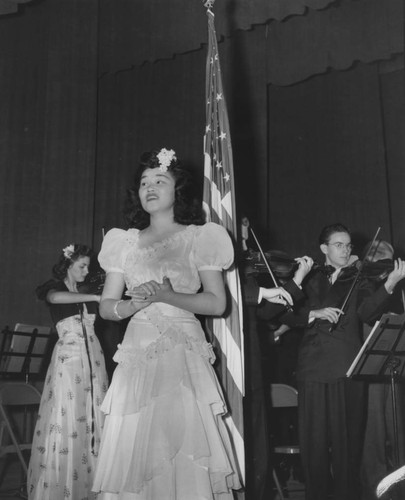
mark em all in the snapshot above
pixel 374 270
pixel 93 284
pixel 355 278
pixel 282 265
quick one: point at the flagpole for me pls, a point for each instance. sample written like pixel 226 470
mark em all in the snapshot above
pixel 219 204
pixel 209 4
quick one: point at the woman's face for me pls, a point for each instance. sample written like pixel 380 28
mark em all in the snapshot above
pixel 79 269
pixel 157 190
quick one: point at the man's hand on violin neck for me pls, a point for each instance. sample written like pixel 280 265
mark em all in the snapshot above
pixel 396 275
pixel 305 264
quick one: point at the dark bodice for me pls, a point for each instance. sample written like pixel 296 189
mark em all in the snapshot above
pixel 61 311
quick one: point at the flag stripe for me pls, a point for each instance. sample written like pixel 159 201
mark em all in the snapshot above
pixel 238 443
pixel 229 346
pixel 219 203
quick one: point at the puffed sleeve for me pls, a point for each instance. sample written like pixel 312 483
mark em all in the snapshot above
pixel 114 250
pixel 213 249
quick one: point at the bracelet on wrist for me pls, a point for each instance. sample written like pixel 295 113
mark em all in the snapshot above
pixel 115 309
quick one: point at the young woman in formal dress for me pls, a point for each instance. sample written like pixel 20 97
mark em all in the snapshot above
pixel 68 430
pixel 164 434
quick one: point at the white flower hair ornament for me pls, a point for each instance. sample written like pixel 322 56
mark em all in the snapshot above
pixel 69 251
pixel 165 157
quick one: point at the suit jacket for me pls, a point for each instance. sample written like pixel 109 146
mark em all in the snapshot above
pixel 267 310
pixel 326 355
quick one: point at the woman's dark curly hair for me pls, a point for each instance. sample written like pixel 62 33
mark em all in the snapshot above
pixel 59 270
pixel 187 207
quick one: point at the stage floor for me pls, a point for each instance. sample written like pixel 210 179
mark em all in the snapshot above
pixel 12 482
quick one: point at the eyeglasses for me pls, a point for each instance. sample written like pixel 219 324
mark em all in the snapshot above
pixel 340 246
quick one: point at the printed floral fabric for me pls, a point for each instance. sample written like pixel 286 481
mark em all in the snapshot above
pixel 68 430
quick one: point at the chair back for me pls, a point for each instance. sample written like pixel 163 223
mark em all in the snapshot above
pixel 19 394
pixel 283 396
pixel 13 395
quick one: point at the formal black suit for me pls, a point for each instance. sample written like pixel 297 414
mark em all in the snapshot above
pixel 331 406
pixel 258 456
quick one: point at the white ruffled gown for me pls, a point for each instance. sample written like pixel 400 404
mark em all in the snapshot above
pixel 164 437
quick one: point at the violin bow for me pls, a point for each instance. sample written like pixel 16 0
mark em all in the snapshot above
pixel 289 308
pixel 264 257
pixel 357 276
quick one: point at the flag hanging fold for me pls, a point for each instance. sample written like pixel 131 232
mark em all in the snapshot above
pixel 219 204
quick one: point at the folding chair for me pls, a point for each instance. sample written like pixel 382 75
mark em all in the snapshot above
pixel 283 396
pixel 23 396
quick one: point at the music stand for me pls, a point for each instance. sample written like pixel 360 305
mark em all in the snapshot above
pixel 382 359
pixel 22 350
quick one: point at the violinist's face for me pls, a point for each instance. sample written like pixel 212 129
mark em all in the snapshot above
pixel 338 250
pixel 79 269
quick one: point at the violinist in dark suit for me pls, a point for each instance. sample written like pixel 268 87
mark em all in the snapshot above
pixel 265 302
pixel 331 406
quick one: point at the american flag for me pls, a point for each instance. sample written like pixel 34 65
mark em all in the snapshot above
pixel 219 204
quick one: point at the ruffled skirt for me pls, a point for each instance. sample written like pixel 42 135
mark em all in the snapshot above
pixel 68 430
pixel 164 437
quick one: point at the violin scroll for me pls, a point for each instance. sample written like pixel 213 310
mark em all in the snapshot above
pixel 93 283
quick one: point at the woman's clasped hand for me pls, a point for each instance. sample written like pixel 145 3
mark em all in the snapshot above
pixel 150 291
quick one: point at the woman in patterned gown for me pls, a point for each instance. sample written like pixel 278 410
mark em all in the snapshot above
pixel 164 435
pixel 68 430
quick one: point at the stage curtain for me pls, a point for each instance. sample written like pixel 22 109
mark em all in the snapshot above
pixel 48 67
pixel 143 112
pixel 327 160
pixel 392 84
pixel 155 106
pixel 70 140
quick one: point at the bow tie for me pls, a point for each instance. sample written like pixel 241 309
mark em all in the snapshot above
pixel 328 270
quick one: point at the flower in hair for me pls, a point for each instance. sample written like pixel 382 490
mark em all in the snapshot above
pixel 68 251
pixel 165 157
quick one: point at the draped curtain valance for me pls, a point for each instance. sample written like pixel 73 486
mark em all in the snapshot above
pixel 335 38
pixel 301 38
pixel 149 30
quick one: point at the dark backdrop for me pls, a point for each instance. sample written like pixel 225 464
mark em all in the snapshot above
pixel 315 97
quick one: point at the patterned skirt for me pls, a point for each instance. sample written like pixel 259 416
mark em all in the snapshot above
pixel 68 430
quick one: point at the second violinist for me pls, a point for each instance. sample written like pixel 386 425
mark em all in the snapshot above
pixel 331 406
pixel 263 303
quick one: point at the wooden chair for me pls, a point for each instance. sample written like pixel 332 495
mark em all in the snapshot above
pixel 283 396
